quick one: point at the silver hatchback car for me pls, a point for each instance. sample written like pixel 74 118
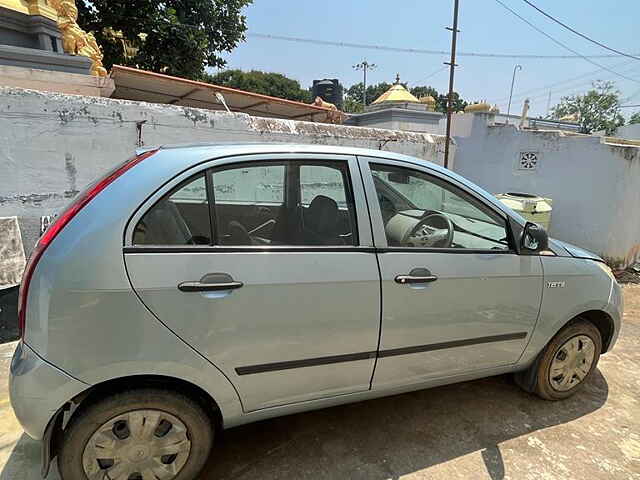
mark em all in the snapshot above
pixel 197 288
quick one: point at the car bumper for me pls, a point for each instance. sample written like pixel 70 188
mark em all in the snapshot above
pixel 615 309
pixel 38 389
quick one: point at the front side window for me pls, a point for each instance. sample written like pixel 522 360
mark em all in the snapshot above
pixel 179 218
pixel 422 211
pixel 287 203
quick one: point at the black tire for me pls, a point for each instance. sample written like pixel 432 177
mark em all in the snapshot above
pixel 90 417
pixel 543 386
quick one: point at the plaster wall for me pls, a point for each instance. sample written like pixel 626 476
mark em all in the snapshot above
pixel 52 145
pixel 595 186
pixel 631 131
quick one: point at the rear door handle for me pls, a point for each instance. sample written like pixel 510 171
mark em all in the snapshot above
pixel 211 282
pixel 415 279
pixel 416 275
pixel 208 287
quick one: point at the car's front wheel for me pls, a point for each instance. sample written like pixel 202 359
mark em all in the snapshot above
pixel 568 361
pixel 137 435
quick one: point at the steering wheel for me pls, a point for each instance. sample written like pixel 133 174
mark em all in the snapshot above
pixel 433 230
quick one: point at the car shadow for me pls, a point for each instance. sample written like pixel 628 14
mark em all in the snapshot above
pixel 376 439
pixel 394 436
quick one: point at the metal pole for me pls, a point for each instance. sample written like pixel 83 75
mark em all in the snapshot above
pixel 513 79
pixel 452 65
pixel 364 90
pixel 364 66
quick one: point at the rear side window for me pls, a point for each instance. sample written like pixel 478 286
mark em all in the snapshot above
pixel 284 203
pixel 179 218
pixel 287 203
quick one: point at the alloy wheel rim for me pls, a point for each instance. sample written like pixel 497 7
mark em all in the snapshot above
pixel 137 445
pixel 571 363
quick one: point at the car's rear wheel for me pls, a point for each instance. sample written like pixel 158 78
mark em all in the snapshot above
pixel 568 361
pixel 137 435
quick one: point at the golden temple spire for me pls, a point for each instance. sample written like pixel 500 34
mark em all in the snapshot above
pixel 397 93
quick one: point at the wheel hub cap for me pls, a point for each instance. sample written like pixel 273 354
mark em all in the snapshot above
pixel 137 445
pixel 571 363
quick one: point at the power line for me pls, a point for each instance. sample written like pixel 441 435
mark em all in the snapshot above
pixel 580 34
pixel 545 88
pixel 441 69
pixel 563 45
pixel 418 51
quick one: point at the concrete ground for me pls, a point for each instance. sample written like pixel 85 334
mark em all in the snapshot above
pixel 486 429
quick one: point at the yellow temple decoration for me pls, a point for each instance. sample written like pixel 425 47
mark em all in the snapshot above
pixel 429 101
pixel 76 41
pixel 478 107
pixel 397 93
pixel 30 7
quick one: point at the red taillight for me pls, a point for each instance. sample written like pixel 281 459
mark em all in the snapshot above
pixel 63 219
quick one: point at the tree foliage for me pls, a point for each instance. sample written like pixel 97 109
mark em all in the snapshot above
pixel 635 118
pixel 597 110
pixel 441 98
pixel 266 83
pixel 353 95
pixel 176 37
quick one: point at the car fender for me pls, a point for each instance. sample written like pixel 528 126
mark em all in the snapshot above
pixel 572 286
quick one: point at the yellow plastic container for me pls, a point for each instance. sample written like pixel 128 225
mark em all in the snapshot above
pixel 532 207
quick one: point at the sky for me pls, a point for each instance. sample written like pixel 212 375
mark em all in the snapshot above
pixel 485 27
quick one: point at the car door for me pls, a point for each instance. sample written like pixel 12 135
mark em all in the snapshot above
pixel 451 303
pixel 283 296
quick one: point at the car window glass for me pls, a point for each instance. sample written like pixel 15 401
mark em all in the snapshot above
pixel 179 218
pixel 288 203
pixel 249 200
pixel 250 185
pixel 419 210
pixel 320 180
pixel 327 205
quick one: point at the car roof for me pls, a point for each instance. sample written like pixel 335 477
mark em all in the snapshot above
pixel 218 149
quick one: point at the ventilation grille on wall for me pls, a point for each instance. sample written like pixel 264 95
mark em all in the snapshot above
pixel 528 161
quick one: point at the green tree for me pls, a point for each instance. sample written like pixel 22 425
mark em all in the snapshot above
pixel 352 106
pixel 598 109
pixel 266 83
pixel 423 91
pixel 635 118
pixel 354 94
pixel 441 98
pixel 176 37
pixel 458 103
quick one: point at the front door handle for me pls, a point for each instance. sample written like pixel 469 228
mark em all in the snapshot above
pixel 417 275
pixel 208 287
pixel 211 282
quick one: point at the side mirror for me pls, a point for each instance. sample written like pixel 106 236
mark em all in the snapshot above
pixel 534 238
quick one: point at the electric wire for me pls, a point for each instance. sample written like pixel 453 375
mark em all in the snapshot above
pixel 531 4
pixel 543 92
pixel 417 50
pixel 557 42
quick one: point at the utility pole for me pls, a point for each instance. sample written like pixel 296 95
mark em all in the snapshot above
pixel 364 66
pixel 549 103
pixel 452 66
pixel 513 79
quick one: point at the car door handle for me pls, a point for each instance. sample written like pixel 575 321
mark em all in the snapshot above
pixel 211 282
pixel 208 287
pixel 417 275
pixel 408 279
